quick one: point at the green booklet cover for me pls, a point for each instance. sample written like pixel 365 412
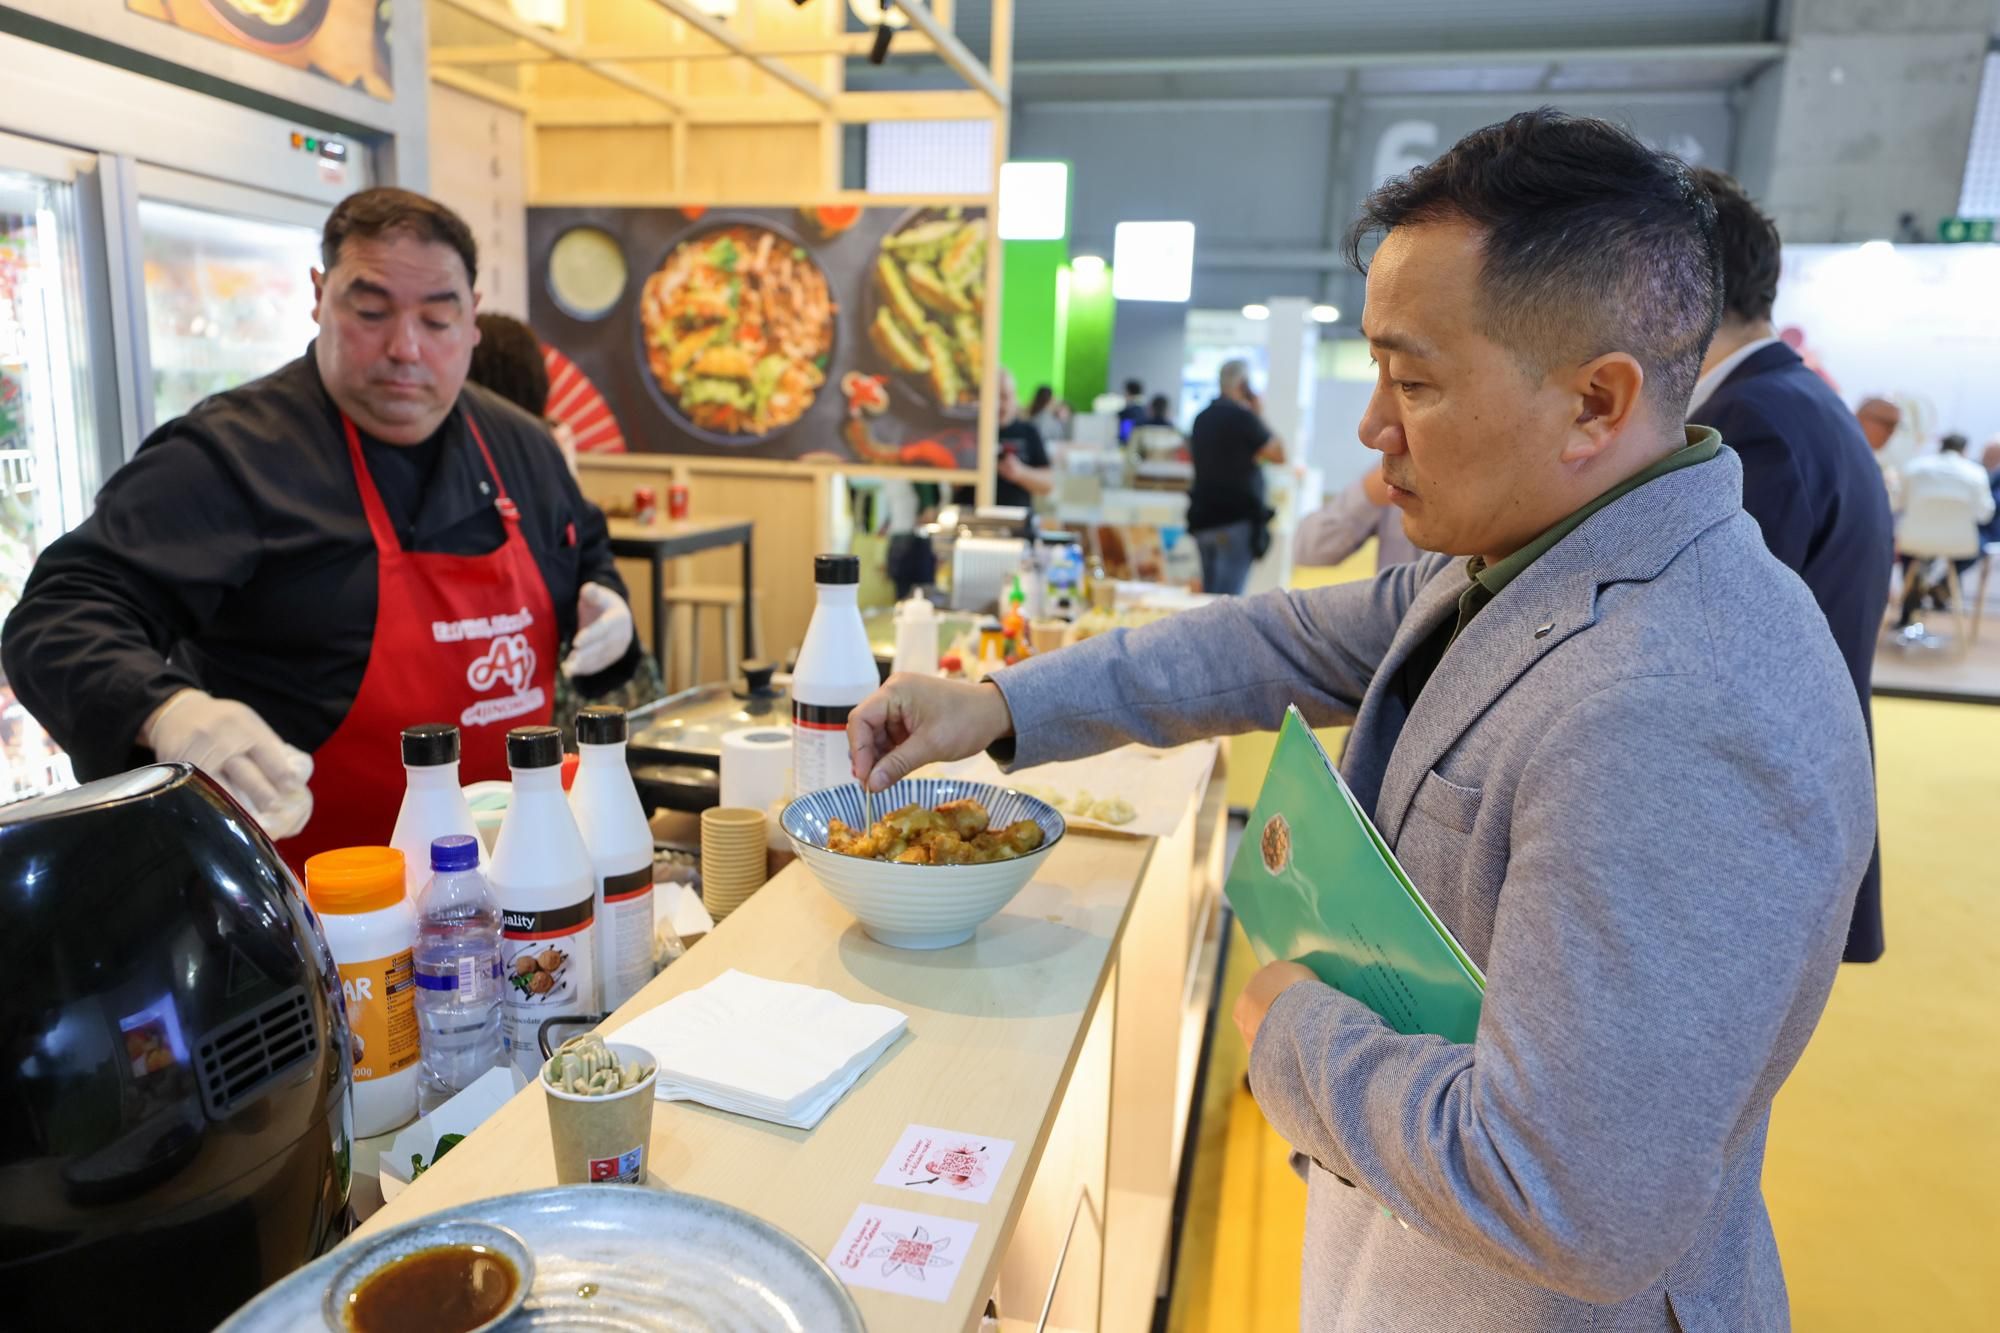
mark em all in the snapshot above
pixel 1314 882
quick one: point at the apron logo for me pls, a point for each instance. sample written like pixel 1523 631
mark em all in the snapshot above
pixel 509 661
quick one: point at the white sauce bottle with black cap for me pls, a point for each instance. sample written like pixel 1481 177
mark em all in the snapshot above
pixel 620 842
pixel 433 803
pixel 835 671
pixel 542 876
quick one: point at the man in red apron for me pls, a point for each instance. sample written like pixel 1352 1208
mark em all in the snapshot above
pixel 292 573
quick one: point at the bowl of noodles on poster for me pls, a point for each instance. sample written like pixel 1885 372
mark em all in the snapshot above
pixel 736 330
pixel 276 24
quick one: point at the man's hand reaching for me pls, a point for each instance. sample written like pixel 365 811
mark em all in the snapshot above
pixel 916 720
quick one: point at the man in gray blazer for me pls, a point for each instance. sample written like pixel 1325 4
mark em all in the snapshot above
pixel 1608 735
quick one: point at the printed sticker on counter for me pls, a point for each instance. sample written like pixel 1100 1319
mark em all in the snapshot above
pixel 886 1249
pixel 942 1161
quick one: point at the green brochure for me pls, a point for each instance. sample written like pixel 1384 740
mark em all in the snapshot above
pixel 1315 882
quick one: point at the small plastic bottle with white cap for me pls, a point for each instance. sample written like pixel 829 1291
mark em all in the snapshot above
pixel 917 636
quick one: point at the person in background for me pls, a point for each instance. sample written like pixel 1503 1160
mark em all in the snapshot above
pixel 1608 736
pixel 1989 458
pixel 1134 411
pixel 1045 415
pixel 308 563
pixel 508 361
pixel 1954 482
pixel 1809 478
pixel 1226 511
pixel 1159 412
pixel 1022 460
pixel 1878 418
pixel 1339 528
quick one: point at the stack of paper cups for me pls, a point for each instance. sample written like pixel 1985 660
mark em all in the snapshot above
pixel 757 774
pixel 732 857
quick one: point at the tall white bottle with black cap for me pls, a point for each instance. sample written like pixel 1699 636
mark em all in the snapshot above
pixel 835 671
pixel 542 876
pixel 620 841
pixel 433 803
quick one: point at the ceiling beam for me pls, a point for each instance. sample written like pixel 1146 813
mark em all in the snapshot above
pixel 563 48
pixel 484 89
pixel 722 36
pixel 847 108
pixel 954 53
pixel 1439 59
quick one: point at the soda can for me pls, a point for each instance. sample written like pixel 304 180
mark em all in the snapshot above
pixel 677 500
pixel 645 504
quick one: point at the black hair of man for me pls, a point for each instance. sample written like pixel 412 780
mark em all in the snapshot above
pixel 509 361
pixel 385 210
pixel 1752 254
pixel 1592 243
pixel 1133 388
pixel 1952 444
pixel 1157 406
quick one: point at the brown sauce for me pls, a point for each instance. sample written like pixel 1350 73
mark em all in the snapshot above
pixel 448 1289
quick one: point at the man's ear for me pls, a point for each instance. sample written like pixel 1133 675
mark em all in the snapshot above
pixel 1607 390
pixel 319 292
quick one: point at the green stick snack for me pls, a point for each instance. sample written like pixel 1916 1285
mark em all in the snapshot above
pixel 587 1067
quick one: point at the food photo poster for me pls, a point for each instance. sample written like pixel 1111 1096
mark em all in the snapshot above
pixel 346 41
pixel 840 333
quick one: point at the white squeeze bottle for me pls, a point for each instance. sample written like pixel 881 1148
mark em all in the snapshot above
pixel 548 900
pixel 620 842
pixel 835 671
pixel 433 803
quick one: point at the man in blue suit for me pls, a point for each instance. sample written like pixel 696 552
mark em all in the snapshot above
pixel 1808 476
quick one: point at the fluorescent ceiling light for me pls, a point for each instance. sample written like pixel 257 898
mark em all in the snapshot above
pixel 1034 201
pixel 1255 311
pixel 1323 314
pixel 1088 265
pixel 1152 261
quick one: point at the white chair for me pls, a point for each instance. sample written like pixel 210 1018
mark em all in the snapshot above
pixel 1939 524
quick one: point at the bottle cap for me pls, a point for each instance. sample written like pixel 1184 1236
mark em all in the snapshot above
pixel 458 851
pixel 430 744
pixel 534 747
pixel 353 880
pixel 836 569
pixel 601 724
pixel 916 607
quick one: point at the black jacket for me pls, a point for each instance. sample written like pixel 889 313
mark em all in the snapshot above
pixel 1812 484
pixel 232 554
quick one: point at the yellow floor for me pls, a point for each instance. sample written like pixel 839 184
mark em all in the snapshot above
pixel 1884 1170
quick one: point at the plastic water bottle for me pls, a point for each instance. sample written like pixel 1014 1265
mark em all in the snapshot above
pixel 458 973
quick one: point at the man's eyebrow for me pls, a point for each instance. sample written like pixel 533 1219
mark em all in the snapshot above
pixel 1400 342
pixel 363 287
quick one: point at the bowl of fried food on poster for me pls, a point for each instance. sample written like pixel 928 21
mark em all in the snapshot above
pixel 736 331
pixel 942 856
pixel 928 317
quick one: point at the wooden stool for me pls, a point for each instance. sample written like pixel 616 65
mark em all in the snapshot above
pixel 685 602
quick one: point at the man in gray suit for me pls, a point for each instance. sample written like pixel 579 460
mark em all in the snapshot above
pixel 1607 734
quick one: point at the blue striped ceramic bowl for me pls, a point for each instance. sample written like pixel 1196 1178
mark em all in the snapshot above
pixel 910 906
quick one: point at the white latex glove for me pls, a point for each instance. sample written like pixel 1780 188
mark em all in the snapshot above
pixel 229 742
pixel 603 631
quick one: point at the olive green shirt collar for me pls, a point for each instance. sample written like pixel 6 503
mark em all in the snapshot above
pixel 1487 580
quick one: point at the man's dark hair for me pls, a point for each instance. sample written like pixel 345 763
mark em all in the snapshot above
pixel 1952 444
pixel 1752 255
pixel 378 212
pixel 1593 243
pixel 1133 388
pixel 509 361
pixel 1158 406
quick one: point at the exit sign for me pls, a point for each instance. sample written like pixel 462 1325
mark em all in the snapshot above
pixel 1965 229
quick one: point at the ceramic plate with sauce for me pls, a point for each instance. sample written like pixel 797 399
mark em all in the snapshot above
pixel 613 1256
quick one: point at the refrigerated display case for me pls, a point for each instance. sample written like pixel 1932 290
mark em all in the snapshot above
pixel 47 470
pixel 228 299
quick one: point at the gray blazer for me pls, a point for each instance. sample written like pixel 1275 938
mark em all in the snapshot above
pixel 1638 790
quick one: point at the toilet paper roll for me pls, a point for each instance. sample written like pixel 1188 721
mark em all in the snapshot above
pixel 756 767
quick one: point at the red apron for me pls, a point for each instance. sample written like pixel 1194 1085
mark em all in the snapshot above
pixel 469 639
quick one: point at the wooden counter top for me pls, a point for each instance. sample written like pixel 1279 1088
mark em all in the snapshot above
pixel 995 1029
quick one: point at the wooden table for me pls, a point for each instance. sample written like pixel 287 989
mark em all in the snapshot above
pixel 995 1031
pixel 664 540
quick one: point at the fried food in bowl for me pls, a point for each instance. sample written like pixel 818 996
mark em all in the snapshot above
pixel 947 856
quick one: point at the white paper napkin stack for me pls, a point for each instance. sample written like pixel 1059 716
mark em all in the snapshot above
pixel 772 1050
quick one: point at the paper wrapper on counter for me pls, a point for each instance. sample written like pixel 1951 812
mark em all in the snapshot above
pixel 604 1139
pixel 757 774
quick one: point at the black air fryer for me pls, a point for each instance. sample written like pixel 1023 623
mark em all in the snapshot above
pixel 174 1107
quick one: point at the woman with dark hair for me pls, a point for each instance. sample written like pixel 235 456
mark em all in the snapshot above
pixel 1044 416
pixel 508 360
